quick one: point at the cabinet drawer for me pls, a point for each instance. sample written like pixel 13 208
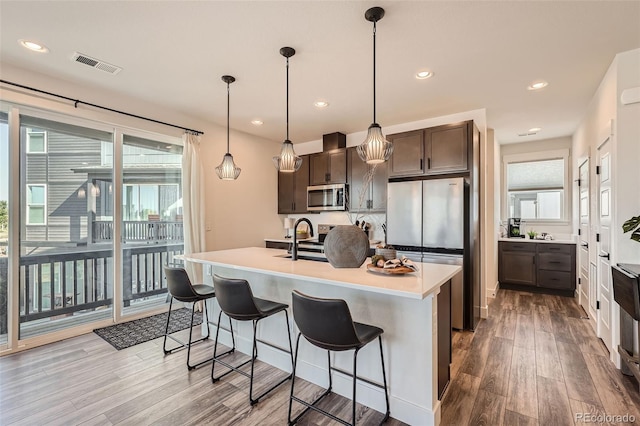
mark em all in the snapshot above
pixel 556 248
pixel 555 279
pixel 514 246
pixel 555 262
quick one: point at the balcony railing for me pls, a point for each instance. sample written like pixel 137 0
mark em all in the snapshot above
pixel 140 231
pixel 64 283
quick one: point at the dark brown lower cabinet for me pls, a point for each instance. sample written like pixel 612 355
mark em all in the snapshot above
pixel 277 245
pixel 537 266
pixel 444 338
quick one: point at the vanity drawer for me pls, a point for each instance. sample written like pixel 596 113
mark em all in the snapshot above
pixel 555 262
pixel 514 246
pixel 556 248
pixel 555 279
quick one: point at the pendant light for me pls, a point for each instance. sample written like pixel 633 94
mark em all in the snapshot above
pixel 227 170
pixel 375 149
pixel 287 161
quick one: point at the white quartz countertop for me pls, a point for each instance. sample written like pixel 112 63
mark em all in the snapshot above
pixel 526 240
pixel 415 285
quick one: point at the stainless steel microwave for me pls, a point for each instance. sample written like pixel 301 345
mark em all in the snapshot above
pixel 326 197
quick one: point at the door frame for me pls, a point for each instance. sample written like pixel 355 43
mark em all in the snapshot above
pixel 585 236
pixel 607 136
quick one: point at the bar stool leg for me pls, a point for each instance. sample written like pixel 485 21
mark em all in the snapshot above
pixel 293 380
pixel 384 381
pixel 215 349
pixel 355 375
pixel 166 329
pixel 254 355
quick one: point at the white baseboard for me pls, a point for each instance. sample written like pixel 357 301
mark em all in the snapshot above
pixel 492 292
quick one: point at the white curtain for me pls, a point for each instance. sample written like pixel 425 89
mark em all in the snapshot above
pixel 193 203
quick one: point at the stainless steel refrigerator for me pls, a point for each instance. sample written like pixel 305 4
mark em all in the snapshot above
pixel 427 220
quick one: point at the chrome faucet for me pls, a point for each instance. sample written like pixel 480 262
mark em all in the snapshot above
pixel 294 248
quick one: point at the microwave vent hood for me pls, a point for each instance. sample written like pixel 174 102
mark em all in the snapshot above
pixel 333 141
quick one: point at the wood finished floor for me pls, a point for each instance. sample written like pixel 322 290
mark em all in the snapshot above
pixel 534 361
pixel 85 381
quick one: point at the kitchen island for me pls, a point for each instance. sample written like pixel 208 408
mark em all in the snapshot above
pixel 405 306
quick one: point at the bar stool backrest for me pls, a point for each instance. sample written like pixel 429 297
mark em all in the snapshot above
pixel 326 323
pixel 179 285
pixel 235 298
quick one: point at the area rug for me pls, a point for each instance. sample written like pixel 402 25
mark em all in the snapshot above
pixel 131 333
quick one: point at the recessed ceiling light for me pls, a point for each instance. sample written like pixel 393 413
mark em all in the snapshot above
pixel 537 85
pixel 321 104
pixel 257 122
pixel 535 129
pixel 33 46
pixel 424 74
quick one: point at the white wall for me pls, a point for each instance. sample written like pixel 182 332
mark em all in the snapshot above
pixel 627 197
pixel 240 213
pixel 491 209
pixel 541 146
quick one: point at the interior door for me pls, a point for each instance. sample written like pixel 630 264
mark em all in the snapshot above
pixel 603 239
pixel 583 253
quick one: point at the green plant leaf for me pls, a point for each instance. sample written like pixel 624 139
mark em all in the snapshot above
pixel 636 235
pixel 631 224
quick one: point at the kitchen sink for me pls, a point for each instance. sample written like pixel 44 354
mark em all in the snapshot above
pixel 303 257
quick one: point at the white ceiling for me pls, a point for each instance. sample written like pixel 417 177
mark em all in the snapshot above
pixel 484 55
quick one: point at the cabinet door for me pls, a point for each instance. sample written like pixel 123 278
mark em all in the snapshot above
pixel 517 267
pixel 337 166
pixel 357 173
pixel 319 168
pixel 379 188
pixel 300 183
pixel 408 154
pixel 446 148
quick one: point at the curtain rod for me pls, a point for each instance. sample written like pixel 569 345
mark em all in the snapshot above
pixel 77 101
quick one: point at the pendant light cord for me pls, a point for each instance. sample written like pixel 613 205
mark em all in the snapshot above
pixel 287 98
pixel 374 71
pixel 228 96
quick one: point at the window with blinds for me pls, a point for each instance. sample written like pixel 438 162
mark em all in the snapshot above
pixel 536 189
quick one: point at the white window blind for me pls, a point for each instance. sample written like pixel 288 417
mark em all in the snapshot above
pixel 536 175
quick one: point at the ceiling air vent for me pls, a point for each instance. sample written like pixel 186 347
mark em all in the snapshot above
pixel 95 63
pixel 527 134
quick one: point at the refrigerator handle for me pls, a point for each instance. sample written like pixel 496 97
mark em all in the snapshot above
pixel 429 163
pixel 421 164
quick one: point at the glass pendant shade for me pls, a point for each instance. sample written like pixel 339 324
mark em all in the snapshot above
pixel 227 170
pixel 287 161
pixel 376 148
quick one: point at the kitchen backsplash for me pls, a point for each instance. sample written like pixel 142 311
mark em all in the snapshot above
pixel 345 218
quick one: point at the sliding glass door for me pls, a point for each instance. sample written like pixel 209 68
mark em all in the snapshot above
pixel 152 227
pixel 66 205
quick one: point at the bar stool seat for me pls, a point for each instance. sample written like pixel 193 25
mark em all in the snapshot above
pixel 327 324
pixel 180 288
pixel 236 300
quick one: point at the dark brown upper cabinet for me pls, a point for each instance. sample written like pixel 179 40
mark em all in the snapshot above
pixel 374 194
pixel 436 150
pixel 328 167
pixel 446 148
pixel 292 189
pixel 408 154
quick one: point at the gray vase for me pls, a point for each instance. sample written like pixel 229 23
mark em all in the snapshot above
pixel 346 246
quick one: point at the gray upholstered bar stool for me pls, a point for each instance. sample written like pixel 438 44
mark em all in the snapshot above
pixel 180 288
pixel 236 300
pixel 327 324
